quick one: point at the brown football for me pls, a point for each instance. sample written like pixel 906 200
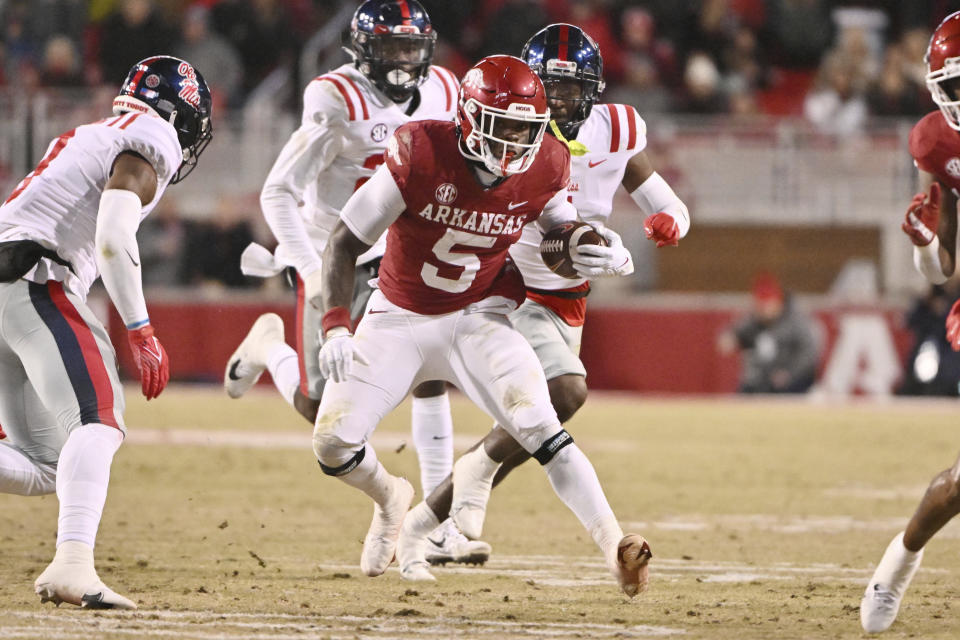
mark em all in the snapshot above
pixel 555 246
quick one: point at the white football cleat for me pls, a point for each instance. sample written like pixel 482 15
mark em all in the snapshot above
pixel 447 544
pixel 411 554
pixel 632 564
pixel 71 578
pixel 380 545
pixel 247 363
pixel 884 593
pixel 473 475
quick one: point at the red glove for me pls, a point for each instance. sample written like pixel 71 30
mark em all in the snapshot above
pixel 923 217
pixel 663 229
pixel 151 360
pixel 953 326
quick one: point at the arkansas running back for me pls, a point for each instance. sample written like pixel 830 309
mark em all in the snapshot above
pixel 454 198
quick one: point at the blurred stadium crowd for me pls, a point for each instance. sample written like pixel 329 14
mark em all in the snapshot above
pixel 846 59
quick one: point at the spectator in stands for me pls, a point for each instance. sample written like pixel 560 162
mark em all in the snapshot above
pixel 593 16
pixel 61 64
pixel 836 105
pixel 776 340
pixel 260 31
pixel 134 31
pixel 20 52
pixel 799 31
pixel 931 368
pixel 701 86
pixel 213 247
pixel 162 238
pixel 210 50
pixel 893 93
pixel 509 27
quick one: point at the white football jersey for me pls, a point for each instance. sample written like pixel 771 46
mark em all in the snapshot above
pixel 612 134
pixel 343 133
pixel 56 205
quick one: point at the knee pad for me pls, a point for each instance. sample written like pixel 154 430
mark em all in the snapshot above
pixel 335 456
pixel 552 445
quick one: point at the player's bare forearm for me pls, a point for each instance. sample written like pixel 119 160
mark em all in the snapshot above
pixel 339 260
pixel 947 232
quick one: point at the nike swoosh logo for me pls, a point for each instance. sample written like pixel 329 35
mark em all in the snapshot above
pixel 135 263
pixel 232 374
pixel 513 205
pixel 94 601
pixel 593 164
pixel 373 311
pixel 440 437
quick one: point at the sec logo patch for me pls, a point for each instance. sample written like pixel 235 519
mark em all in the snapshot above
pixel 953 167
pixel 446 193
pixel 379 132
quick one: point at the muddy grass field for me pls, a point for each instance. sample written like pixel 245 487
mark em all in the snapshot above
pixel 765 518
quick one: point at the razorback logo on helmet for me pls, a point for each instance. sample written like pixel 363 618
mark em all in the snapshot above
pixel 473 78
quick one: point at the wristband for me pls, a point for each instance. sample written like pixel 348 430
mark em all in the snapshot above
pixel 927 261
pixel 335 317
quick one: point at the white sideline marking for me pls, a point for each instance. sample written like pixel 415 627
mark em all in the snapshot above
pixel 261 439
pixel 784 524
pixel 193 624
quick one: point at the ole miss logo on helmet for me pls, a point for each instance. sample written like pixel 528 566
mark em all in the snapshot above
pixel 190 89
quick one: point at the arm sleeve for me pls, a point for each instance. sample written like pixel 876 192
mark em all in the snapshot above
pixel 117 256
pixel 557 211
pixel 655 196
pixel 310 150
pixel 374 206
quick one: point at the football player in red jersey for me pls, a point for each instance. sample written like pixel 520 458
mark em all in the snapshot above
pixel 935 147
pixel 607 145
pixel 454 197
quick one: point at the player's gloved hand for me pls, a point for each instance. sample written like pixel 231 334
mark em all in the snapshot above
pixel 311 289
pixel 662 229
pixel 953 326
pixel 151 360
pixel 593 260
pixel 923 217
pixel 336 354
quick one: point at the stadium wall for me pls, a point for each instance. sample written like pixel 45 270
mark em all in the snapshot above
pixel 655 350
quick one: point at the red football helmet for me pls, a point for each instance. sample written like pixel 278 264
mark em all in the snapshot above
pixel 943 68
pixel 502 113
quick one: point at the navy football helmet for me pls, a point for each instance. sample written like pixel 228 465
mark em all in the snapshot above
pixel 392 43
pixel 559 53
pixel 172 88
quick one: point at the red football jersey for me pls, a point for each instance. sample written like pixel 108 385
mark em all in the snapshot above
pixel 936 149
pixel 448 248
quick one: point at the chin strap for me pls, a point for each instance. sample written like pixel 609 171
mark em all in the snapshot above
pixel 576 148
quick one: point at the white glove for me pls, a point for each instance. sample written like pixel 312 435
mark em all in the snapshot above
pixel 593 260
pixel 336 354
pixel 312 290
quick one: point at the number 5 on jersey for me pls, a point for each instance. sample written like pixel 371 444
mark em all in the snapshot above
pixel 443 249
